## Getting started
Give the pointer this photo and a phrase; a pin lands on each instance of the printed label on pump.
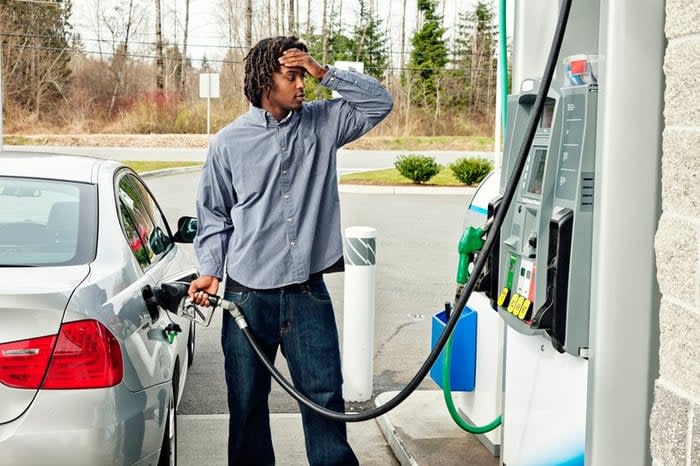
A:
(511, 271)
(525, 278)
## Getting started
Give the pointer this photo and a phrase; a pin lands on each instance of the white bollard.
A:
(358, 312)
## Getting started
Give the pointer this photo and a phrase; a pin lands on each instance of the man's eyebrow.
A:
(294, 72)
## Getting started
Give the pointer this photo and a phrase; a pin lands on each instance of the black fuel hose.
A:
(478, 267)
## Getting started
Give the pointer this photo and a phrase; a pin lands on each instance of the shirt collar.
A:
(264, 118)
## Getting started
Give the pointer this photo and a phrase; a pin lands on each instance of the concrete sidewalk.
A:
(202, 441)
(417, 432)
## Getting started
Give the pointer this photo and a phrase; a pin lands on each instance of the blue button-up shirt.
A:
(268, 202)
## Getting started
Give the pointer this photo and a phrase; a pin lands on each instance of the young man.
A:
(268, 209)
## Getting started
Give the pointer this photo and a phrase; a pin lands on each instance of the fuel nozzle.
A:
(470, 243)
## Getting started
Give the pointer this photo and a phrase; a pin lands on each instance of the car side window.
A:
(148, 234)
(134, 234)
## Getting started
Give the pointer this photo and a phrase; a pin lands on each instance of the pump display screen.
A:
(547, 114)
(539, 157)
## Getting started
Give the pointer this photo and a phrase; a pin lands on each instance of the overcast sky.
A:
(206, 35)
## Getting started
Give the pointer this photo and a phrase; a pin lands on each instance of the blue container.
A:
(463, 359)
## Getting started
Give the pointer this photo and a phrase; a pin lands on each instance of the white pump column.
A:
(625, 296)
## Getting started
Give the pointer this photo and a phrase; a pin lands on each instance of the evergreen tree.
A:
(36, 52)
(369, 40)
(429, 54)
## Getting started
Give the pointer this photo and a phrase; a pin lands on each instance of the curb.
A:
(344, 188)
(392, 436)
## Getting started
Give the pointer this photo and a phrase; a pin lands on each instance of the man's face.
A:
(287, 91)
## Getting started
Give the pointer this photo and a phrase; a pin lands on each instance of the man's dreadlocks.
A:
(262, 61)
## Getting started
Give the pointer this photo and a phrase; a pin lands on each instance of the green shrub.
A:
(471, 171)
(417, 168)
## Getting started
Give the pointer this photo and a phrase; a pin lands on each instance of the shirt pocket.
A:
(313, 160)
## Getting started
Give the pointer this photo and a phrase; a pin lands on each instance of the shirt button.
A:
(284, 172)
(284, 148)
(286, 196)
(291, 243)
(289, 219)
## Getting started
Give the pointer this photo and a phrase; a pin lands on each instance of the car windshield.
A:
(46, 222)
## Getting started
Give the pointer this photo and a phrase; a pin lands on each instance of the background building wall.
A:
(675, 418)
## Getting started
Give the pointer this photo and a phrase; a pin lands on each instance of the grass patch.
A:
(147, 166)
(391, 177)
(15, 140)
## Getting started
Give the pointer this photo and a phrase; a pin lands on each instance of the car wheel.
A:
(168, 450)
(190, 344)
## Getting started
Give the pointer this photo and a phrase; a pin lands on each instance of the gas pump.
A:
(543, 274)
(550, 222)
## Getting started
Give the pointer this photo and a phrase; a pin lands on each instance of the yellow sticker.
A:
(521, 300)
(523, 309)
(503, 296)
(514, 303)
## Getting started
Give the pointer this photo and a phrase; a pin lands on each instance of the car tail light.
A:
(23, 363)
(86, 355)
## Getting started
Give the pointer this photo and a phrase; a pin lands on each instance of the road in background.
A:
(348, 160)
(417, 239)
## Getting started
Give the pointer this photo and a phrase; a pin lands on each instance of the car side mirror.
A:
(158, 241)
(186, 229)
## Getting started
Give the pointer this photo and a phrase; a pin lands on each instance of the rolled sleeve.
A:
(364, 105)
(214, 226)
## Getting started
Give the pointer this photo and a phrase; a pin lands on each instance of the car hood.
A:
(32, 304)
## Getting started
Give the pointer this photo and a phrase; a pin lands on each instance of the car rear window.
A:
(46, 222)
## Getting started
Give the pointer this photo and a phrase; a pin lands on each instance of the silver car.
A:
(91, 368)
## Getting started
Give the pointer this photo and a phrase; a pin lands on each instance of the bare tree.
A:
(290, 18)
(249, 24)
(120, 57)
(269, 17)
(160, 67)
(324, 33)
(280, 20)
(229, 20)
(403, 34)
(308, 17)
(183, 74)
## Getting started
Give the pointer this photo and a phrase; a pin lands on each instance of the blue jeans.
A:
(302, 323)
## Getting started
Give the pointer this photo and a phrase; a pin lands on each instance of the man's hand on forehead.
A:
(296, 58)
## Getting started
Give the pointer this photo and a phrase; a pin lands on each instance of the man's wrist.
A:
(322, 70)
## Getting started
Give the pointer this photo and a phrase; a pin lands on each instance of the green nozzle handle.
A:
(470, 242)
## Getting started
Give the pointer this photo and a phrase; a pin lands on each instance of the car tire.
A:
(168, 450)
(191, 344)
